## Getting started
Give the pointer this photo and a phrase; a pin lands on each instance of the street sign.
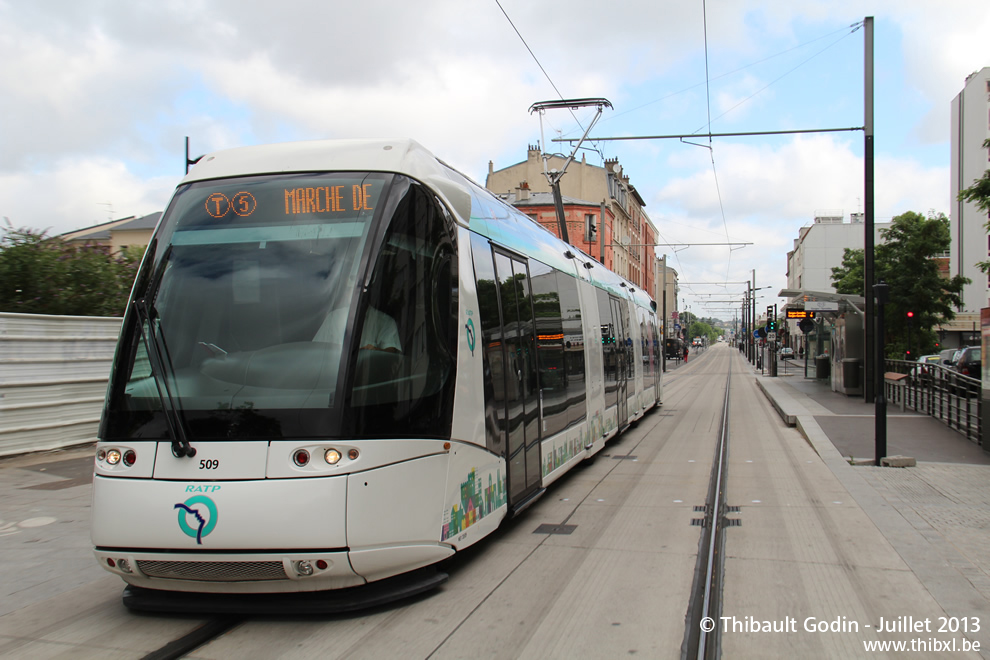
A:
(772, 336)
(821, 306)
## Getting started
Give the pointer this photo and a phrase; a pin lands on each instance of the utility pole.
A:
(663, 348)
(746, 329)
(869, 343)
(752, 318)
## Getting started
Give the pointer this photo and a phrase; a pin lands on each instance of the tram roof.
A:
(474, 205)
(374, 155)
(398, 155)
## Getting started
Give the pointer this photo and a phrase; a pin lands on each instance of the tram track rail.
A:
(210, 630)
(702, 640)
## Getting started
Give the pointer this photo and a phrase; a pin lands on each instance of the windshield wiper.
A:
(180, 441)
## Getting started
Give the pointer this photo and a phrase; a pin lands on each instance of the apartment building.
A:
(970, 159)
(626, 237)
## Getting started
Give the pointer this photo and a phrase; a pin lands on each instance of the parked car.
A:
(786, 353)
(968, 362)
(920, 370)
(946, 356)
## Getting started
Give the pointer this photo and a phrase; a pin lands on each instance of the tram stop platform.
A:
(936, 515)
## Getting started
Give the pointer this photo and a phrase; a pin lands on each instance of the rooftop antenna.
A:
(192, 161)
(553, 176)
(109, 206)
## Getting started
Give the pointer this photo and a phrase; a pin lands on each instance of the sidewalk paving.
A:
(936, 515)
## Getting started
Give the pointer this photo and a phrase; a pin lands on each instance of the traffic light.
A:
(910, 315)
(590, 230)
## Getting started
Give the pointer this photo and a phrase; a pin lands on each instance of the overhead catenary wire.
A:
(537, 60)
(711, 149)
(616, 115)
(532, 54)
(597, 143)
(854, 26)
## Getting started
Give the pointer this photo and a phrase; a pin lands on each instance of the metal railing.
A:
(937, 391)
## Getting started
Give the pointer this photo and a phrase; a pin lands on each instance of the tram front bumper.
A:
(269, 535)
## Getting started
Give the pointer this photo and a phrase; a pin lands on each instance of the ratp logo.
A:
(203, 525)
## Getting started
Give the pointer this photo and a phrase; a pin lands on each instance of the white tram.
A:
(344, 361)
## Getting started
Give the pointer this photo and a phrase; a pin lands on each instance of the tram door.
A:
(522, 388)
(622, 357)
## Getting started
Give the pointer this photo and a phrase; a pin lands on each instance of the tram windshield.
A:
(314, 305)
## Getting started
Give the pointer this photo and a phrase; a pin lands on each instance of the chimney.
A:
(522, 192)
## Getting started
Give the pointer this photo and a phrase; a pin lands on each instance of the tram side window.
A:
(646, 344)
(629, 350)
(491, 343)
(609, 350)
(409, 391)
(570, 309)
(550, 346)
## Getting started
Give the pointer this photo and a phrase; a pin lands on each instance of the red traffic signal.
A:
(910, 315)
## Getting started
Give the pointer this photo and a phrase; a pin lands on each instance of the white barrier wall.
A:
(53, 377)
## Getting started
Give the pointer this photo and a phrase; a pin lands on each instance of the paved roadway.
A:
(817, 538)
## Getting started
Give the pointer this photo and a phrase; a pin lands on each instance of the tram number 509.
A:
(209, 464)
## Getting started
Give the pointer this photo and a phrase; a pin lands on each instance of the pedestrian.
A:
(685, 354)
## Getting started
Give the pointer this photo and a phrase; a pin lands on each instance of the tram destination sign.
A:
(800, 314)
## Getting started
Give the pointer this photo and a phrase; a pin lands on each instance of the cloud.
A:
(96, 99)
(78, 192)
(794, 180)
(769, 192)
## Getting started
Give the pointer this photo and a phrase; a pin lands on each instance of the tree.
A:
(848, 278)
(979, 193)
(43, 275)
(702, 329)
(905, 261)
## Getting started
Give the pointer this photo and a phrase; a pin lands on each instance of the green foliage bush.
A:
(45, 275)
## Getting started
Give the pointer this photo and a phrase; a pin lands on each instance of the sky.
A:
(97, 97)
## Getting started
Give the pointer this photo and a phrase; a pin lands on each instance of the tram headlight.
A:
(101, 455)
(303, 567)
(113, 456)
(332, 456)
